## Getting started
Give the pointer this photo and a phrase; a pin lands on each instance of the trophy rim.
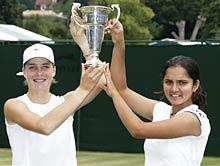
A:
(94, 7)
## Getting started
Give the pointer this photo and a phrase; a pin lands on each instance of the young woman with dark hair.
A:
(178, 132)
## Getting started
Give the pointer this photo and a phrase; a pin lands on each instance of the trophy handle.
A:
(74, 7)
(118, 15)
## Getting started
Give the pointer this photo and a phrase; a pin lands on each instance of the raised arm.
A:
(17, 112)
(169, 128)
(138, 103)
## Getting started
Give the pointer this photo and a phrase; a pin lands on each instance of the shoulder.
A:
(196, 111)
(12, 107)
(19, 99)
(200, 115)
(12, 103)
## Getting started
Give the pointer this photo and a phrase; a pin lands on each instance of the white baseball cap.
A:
(38, 50)
(35, 51)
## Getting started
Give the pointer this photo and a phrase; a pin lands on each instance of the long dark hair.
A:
(191, 66)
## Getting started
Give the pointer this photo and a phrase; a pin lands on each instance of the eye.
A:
(182, 82)
(168, 82)
(31, 67)
(46, 66)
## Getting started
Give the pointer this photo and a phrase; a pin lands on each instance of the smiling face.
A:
(179, 87)
(39, 73)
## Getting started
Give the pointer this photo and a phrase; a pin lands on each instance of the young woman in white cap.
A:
(39, 123)
(179, 131)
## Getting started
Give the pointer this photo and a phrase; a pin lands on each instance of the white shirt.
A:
(182, 151)
(33, 149)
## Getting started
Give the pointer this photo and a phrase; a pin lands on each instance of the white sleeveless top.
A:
(33, 149)
(182, 151)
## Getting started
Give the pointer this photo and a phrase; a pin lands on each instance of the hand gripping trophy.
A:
(93, 24)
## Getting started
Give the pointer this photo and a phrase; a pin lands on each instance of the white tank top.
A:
(33, 149)
(182, 151)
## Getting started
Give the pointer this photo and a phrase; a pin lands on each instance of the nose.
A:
(39, 71)
(174, 87)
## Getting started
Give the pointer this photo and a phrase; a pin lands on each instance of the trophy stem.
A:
(93, 60)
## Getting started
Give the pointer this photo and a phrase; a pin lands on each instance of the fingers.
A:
(112, 23)
(106, 86)
(75, 7)
(75, 16)
(109, 87)
(83, 68)
(75, 29)
(99, 71)
(94, 72)
(107, 74)
(91, 76)
(114, 28)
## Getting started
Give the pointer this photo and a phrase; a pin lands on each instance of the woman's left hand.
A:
(109, 87)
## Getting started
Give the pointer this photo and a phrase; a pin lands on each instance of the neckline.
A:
(28, 98)
(182, 110)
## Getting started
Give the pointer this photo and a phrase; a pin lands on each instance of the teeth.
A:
(175, 95)
(39, 80)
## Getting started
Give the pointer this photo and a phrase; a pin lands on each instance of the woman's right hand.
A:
(77, 31)
(91, 76)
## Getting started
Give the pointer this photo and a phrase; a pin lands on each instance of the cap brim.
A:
(20, 73)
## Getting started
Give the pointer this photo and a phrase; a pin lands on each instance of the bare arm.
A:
(184, 124)
(138, 103)
(92, 95)
(17, 112)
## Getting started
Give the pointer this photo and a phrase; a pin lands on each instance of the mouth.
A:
(174, 95)
(39, 80)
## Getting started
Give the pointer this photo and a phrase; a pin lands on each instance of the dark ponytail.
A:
(199, 98)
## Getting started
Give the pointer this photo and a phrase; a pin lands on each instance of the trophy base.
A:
(94, 61)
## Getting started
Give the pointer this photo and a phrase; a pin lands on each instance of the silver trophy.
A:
(95, 20)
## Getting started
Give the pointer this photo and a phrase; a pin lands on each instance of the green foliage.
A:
(59, 31)
(52, 28)
(212, 25)
(29, 4)
(64, 7)
(11, 12)
(142, 19)
(134, 17)
(171, 11)
(154, 28)
(168, 12)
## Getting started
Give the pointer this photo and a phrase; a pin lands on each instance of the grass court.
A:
(86, 158)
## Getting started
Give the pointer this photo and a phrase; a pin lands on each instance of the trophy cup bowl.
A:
(94, 20)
